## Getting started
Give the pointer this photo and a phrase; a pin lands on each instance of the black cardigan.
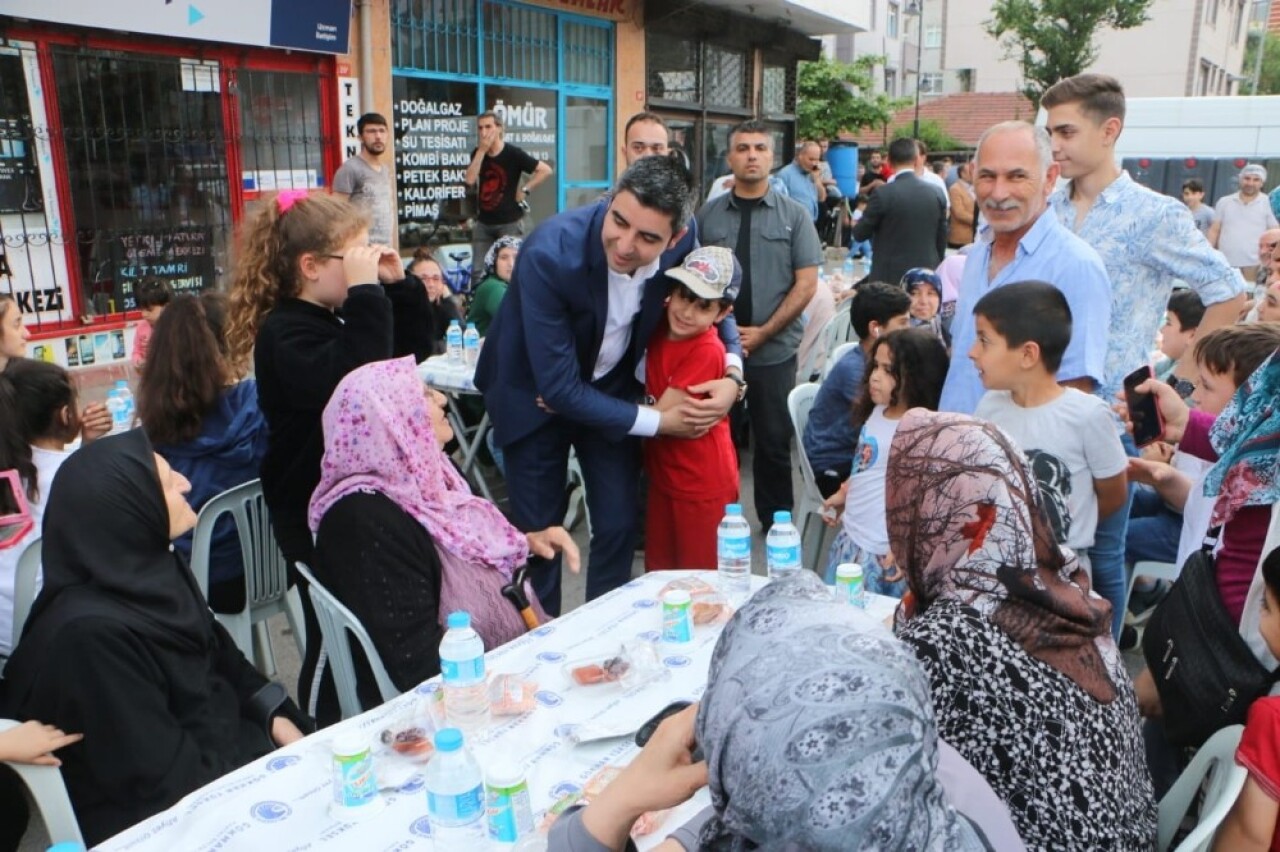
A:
(302, 352)
(382, 564)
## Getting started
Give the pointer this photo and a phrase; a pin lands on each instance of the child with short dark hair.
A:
(1181, 321)
(1252, 824)
(906, 370)
(831, 435)
(151, 295)
(690, 480)
(1193, 197)
(1069, 437)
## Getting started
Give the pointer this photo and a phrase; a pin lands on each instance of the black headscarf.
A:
(106, 546)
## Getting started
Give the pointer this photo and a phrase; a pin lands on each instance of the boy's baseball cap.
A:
(710, 272)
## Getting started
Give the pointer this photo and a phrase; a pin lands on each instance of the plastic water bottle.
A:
(453, 342)
(733, 552)
(455, 794)
(782, 546)
(131, 407)
(847, 268)
(471, 345)
(118, 407)
(466, 696)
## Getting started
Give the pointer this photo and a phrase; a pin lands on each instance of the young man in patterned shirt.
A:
(1146, 240)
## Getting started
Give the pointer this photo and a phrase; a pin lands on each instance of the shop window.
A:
(588, 54)
(726, 75)
(586, 134)
(673, 69)
(777, 91)
(436, 35)
(32, 256)
(281, 145)
(519, 43)
(147, 169)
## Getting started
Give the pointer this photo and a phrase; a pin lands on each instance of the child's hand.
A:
(95, 421)
(1157, 452)
(360, 264)
(833, 505)
(33, 742)
(889, 565)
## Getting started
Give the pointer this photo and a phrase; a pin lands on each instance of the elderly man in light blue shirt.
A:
(1023, 241)
(803, 178)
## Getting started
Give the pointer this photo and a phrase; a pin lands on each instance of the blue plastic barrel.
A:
(842, 156)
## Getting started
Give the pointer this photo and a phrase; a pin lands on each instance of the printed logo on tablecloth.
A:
(427, 688)
(564, 788)
(564, 731)
(551, 656)
(275, 764)
(645, 603)
(270, 811)
(413, 785)
(677, 661)
(544, 630)
(631, 584)
(421, 827)
(547, 698)
(650, 636)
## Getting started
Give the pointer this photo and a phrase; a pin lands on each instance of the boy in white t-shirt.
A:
(1069, 437)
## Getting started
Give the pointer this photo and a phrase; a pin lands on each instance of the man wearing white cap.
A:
(1242, 217)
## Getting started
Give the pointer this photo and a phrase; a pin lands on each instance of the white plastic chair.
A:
(267, 589)
(24, 586)
(336, 621)
(841, 325)
(50, 795)
(578, 508)
(821, 347)
(1215, 764)
(809, 507)
(836, 354)
(1155, 570)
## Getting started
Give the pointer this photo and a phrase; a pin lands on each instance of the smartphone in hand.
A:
(1144, 413)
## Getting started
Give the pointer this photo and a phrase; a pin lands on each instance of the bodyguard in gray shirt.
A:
(777, 245)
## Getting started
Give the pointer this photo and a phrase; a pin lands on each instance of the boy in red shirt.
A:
(690, 480)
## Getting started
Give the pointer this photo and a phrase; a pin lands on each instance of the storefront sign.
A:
(435, 132)
(616, 10)
(349, 115)
(182, 257)
(323, 26)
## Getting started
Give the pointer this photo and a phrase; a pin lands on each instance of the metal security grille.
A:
(726, 76)
(778, 90)
(520, 43)
(436, 35)
(146, 161)
(281, 144)
(673, 69)
(588, 54)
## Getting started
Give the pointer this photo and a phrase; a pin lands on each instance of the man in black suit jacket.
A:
(906, 220)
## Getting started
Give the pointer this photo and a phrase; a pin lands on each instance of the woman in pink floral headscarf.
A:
(400, 538)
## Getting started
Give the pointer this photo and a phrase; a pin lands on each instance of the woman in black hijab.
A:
(121, 646)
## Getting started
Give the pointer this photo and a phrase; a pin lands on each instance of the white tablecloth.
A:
(280, 802)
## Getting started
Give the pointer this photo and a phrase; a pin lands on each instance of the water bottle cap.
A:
(782, 517)
(67, 846)
(122, 383)
(455, 322)
(459, 620)
(676, 597)
(733, 509)
(849, 569)
(448, 739)
(503, 773)
(471, 325)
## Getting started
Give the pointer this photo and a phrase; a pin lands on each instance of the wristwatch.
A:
(740, 382)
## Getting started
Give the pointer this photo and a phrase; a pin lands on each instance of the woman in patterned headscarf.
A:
(818, 735)
(499, 263)
(1026, 681)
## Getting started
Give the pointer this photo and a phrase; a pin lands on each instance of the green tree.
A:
(932, 134)
(1269, 79)
(1053, 39)
(832, 96)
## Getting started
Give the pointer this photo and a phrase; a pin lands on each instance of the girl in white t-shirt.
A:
(38, 418)
(906, 370)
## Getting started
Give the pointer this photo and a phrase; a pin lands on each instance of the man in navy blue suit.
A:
(559, 365)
